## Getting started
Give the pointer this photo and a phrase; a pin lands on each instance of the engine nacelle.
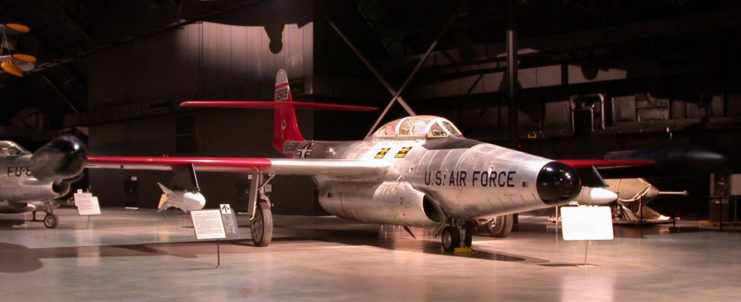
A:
(60, 159)
(389, 202)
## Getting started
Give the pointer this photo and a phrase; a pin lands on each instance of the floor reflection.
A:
(17, 259)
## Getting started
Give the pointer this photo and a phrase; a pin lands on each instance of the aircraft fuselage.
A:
(463, 178)
(18, 186)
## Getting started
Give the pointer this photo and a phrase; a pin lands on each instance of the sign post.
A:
(207, 224)
(586, 223)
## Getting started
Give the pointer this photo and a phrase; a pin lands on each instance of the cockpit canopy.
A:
(8, 148)
(421, 126)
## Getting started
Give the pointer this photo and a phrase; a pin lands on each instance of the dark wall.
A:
(146, 137)
(234, 55)
(210, 59)
(220, 133)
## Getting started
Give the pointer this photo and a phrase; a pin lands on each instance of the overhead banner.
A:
(587, 223)
(86, 204)
(207, 224)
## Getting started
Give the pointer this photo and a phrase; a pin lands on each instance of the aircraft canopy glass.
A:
(421, 126)
(8, 148)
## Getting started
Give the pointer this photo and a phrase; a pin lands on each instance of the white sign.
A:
(207, 224)
(586, 223)
(225, 209)
(86, 204)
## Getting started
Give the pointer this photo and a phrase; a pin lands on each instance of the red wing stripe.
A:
(236, 162)
(584, 163)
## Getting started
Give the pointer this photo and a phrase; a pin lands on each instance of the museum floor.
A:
(138, 255)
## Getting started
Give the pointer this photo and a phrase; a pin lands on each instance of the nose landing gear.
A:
(457, 235)
(50, 219)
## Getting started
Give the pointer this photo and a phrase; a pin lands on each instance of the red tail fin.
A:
(285, 126)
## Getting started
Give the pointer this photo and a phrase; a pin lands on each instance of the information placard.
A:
(587, 223)
(87, 204)
(230, 221)
(207, 224)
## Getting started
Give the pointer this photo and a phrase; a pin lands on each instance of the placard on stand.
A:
(586, 223)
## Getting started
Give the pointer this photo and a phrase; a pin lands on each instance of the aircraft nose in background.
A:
(60, 159)
(557, 183)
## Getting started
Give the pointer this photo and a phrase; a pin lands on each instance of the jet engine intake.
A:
(61, 187)
(60, 159)
(389, 202)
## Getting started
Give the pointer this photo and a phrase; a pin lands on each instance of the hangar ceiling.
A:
(660, 45)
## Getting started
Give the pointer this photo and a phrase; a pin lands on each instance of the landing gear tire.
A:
(468, 240)
(500, 226)
(51, 221)
(261, 226)
(451, 237)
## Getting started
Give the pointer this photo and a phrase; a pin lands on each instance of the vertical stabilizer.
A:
(164, 189)
(285, 125)
(164, 198)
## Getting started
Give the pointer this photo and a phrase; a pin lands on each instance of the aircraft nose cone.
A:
(558, 183)
(62, 158)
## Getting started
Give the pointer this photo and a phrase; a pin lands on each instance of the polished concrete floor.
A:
(139, 255)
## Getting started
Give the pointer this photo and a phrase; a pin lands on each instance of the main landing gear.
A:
(261, 217)
(50, 219)
(457, 234)
(500, 226)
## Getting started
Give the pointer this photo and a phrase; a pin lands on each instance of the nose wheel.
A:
(457, 236)
(51, 221)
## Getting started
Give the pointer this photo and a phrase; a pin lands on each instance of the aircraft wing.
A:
(282, 166)
(586, 163)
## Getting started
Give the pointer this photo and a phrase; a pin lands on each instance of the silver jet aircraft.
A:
(29, 182)
(415, 171)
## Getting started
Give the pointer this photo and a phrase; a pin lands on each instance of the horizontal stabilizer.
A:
(275, 105)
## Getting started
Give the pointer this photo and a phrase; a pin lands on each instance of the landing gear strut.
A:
(261, 221)
(457, 234)
(50, 219)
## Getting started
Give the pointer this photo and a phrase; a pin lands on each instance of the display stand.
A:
(558, 223)
(586, 251)
(586, 223)
(218, 254)
(207, 224)
(87, 205)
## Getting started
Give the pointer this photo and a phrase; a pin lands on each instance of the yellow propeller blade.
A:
(18, 27)
(11, 69)
(25, 58)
